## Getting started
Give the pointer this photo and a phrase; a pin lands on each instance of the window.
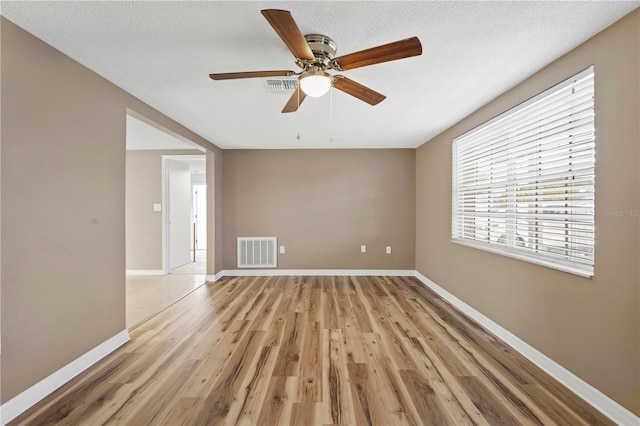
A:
(523, 183)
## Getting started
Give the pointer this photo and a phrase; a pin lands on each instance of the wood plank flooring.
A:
(312, 351)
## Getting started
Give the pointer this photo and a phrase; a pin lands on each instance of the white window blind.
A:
(523, 183)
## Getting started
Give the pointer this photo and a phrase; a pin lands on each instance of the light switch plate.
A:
(282, 250)
(157, 207)
(388, 249)
(363, 249)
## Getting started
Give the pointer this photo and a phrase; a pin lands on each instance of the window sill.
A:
(530, 259)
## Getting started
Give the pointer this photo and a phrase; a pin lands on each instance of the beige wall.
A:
(63, 214)
(143, 225)
(322, 205)
(590, 326)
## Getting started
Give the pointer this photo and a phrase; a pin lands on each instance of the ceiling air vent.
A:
(257, 252)
(280, 86)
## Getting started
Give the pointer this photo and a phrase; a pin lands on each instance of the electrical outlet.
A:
(363, 249)
(282, 250)
(388, 249)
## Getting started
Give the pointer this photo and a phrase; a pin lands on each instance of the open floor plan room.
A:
(312, 351)
(443, 230)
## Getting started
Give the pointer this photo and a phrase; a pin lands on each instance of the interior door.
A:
(179, 177)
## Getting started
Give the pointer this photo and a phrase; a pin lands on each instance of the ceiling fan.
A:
(315, 54)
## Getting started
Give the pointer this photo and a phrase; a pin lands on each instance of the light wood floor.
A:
(312, 351)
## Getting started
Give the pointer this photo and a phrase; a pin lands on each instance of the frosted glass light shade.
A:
(315, 84)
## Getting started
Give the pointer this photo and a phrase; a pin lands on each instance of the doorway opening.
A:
(198, 251)
(162, 172)
(186, 242)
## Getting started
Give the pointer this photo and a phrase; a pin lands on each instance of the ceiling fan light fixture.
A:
(315, 83)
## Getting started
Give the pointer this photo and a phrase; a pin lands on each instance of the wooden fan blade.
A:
(387, 52)
(286, 27)
(294, 101)
(358, 90)
(251, 74)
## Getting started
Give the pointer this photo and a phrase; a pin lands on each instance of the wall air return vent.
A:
(280, 86)
(257, 252)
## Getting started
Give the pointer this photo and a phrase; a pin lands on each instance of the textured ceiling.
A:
(142, 136)
(162, 52)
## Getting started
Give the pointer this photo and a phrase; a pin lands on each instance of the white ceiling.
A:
(142, 136)
(162, 52)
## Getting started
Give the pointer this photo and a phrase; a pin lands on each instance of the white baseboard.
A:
(315, 272)
(597, 399)
(27, 399)
(215, 277)
(145, 272)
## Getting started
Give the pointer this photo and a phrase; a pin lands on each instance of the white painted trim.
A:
(312, 272)
(165, 216)
(145, 272)
(216, 277)
(166, 243)
(25, 400)
(591, 395)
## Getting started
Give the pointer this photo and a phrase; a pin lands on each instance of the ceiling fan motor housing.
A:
(323, 48)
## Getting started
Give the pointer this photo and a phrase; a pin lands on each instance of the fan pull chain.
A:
(331, 114)
(298, 110)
